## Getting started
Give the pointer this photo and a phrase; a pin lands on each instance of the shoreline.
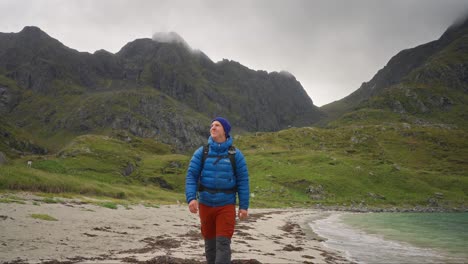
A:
(368, 242)
(412, 209)
(138, 234)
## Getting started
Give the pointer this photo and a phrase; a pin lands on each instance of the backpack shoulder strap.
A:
(206, 149)
(232, 158)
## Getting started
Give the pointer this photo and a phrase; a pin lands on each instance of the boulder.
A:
(3, 158)
(128, 169)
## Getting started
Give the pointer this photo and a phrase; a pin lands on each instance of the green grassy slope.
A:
(377, 165)
(94, 165)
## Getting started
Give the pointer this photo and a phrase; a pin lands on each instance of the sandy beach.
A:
(86, 233)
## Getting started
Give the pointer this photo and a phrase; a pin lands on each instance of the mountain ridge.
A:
(57, 82)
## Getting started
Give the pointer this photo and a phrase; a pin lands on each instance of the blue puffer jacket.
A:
(218, 175)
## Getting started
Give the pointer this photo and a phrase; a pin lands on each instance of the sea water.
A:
(397, 237)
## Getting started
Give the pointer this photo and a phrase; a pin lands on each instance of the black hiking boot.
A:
(223, 250)
(210, 250)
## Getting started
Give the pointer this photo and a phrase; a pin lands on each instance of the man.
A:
(217, 180)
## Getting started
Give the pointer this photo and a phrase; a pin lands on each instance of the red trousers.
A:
(217, 221)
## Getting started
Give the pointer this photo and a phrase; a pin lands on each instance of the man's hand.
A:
(193, 206)
(243, 214)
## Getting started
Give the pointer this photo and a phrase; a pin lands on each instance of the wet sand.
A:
(86, 233)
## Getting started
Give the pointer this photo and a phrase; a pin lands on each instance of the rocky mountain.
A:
(428, 82)
(150, 88)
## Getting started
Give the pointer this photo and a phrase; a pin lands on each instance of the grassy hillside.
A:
(95, 165)
(396, 164)
(375, 165)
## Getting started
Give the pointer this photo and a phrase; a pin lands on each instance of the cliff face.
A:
(150, 88)
(253, 100)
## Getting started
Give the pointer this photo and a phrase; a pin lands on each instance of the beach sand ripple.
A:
(86, 233)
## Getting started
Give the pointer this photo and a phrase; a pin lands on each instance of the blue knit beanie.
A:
(225, 123)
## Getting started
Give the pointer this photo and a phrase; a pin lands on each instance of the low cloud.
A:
(169, 37)
(287, 74)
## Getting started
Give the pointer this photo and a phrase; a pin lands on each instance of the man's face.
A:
(217, 132)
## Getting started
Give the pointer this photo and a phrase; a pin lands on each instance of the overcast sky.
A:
(330, 46)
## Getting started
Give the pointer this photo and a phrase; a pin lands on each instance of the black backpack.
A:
(232, 158)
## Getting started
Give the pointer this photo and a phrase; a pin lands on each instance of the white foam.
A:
(362, 247)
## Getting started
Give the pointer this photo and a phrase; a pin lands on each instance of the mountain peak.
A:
(33, 37)
(33, 31)
(460, 22)
(457, 29)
